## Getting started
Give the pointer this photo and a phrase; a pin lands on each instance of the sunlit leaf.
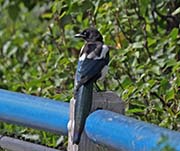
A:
(47, 15)
(177, 11)
(137, 45)
(169, 94)
(174, 33)
(151, 41)
(137, 110)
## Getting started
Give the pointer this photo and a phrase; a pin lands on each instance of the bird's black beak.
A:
(79, 35)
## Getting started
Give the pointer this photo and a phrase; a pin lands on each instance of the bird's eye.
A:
(86, 33)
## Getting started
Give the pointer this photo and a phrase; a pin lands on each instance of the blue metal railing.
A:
(118, 131)
(35, 112)
(104, 127)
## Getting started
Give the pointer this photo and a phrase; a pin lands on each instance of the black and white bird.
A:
(92, 65)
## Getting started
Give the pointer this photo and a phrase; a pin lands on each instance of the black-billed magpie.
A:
(92, 65)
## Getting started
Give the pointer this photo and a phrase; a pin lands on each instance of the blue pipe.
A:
(121, 132)
(35, 112)
(104, 127)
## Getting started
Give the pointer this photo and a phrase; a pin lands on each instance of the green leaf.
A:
(148, 28)
(13, 11)
(137, 54)
(171, 62)
(128, 92)
(57, 7)
(174, 33)
(164, 85)
(176, 67)
(151, 41)
(177, 11)
(126, 82)
(144, 5)
(65, 19)
(137, 110)
(155, 69)
(137, 45)
(47, 15)
(170, 94)
(178, 82)
(62, 15)
(151, 82)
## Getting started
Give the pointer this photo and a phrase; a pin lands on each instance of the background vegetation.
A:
(38, 54)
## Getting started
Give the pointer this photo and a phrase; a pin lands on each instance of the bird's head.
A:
(90, 35)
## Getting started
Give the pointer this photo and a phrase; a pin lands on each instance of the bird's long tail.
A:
(83, 102)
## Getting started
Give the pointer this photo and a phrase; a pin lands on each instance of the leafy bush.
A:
(38, 51)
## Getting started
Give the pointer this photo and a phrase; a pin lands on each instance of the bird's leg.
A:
(97, 87)
(105, 85)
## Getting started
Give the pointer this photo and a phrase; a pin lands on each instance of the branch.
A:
(128, 72)
(144, 29)
(119, 25)
(54, 40)
(160, 98)
(153, 5)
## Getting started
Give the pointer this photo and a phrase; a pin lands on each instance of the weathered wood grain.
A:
(101, 100)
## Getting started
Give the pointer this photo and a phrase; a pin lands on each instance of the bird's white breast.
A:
(83, 57)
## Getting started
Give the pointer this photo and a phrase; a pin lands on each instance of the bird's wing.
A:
(89, 68)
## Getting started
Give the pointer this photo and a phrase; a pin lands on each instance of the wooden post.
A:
(101, 100)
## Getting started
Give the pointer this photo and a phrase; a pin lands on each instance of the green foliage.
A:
(38, 52)
(163, 145)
